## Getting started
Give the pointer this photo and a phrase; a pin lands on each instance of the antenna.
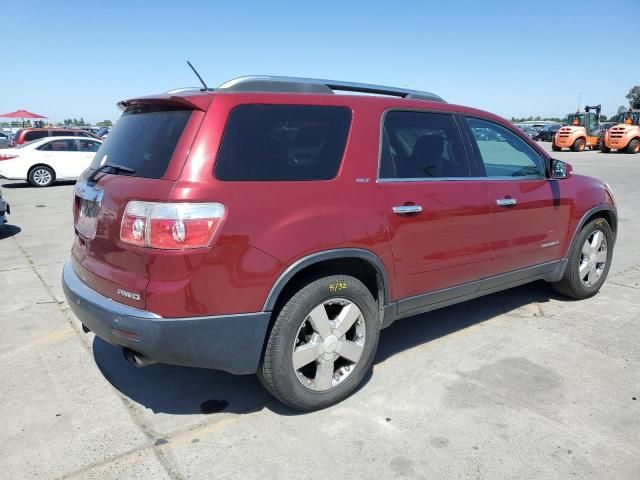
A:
(199, 77)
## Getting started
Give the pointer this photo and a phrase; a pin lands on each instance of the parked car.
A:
(103, 132)
(4, 210)
(29, 134)
(4, 140)
(42, 162)
(548, 132)
(530, 132)
(387, 206)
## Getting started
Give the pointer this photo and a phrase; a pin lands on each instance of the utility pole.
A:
(579, 101)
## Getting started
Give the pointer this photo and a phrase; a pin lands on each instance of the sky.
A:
(513, 58)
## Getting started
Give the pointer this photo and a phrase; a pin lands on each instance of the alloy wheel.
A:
(593, 258)
(42, 176)
(329, 344)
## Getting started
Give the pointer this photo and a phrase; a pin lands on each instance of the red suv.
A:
(272, 226)
(30, 134)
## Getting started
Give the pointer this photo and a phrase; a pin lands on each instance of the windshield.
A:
(143, 140)
(634, 116)
(573, 118)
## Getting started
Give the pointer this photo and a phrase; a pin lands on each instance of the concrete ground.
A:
(521, 384)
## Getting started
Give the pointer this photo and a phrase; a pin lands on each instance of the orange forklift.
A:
(580, 130)
(625, 136)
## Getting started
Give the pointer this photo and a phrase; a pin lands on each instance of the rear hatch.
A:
(151, 142)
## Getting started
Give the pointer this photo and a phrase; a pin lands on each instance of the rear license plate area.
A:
(89, 202)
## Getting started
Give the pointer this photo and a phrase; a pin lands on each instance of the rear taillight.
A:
(7, 156)
(170, 225)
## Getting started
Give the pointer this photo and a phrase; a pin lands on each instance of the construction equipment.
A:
(580, 131)
(625, 136)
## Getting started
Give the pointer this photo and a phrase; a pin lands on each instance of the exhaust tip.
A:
(136, 359)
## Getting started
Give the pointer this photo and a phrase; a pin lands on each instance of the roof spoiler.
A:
(170, 101)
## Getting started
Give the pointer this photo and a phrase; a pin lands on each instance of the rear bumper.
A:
(232, 343)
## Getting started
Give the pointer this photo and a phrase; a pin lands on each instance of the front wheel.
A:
(554, 147)
(634, 146)
(604, 148)
(578, 145)
(322, 343)
(588, 261)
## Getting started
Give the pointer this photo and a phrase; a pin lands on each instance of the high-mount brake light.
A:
(172, 226)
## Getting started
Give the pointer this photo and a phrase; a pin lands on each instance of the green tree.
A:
(105, 123)
(634, 97)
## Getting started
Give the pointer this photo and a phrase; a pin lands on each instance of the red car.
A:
(29, 134)
(272, 226)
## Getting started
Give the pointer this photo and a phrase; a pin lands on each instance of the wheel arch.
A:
(343, 260)
(606, 212)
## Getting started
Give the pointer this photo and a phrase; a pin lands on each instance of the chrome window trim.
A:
(458, 179)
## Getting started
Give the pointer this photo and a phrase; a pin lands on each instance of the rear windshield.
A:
(143, 140)
(283, 142)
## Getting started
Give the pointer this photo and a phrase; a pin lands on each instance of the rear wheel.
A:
(41, 176)
(322, 343)
(588, 261)
(578, 145)
(634, 146)
(554, 147)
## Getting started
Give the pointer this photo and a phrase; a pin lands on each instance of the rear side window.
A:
(422, 145)
(143, 140)
(29, 136)
(282, 142)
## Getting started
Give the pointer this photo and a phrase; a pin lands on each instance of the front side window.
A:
(89, 146)
(62, 133)
(422, 145)
(283, 142)
(503, 153)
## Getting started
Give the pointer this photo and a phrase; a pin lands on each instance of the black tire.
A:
(634, 146)
(571, 284)
(554, 147)
(578, 145)
(41, 176)
(277, 373)
(604, 148)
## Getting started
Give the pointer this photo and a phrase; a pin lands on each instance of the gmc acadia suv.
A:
(272, 226)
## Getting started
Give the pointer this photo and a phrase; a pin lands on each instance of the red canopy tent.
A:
(21, 114)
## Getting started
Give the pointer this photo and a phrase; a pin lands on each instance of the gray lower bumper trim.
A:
(232, 343)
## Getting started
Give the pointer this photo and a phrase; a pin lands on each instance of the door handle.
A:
(407, 209)
(507, 202)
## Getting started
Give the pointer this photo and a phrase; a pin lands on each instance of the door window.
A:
(35, 135)
(89, 146)
(422, 145)
(503, 153)
(60, 146)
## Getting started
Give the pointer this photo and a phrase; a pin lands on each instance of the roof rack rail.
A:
(268, 83)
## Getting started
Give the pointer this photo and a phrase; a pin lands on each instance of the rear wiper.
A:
(116, 169)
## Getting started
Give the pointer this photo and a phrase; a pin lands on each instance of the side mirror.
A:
(560, 169)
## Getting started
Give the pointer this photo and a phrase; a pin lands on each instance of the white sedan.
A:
(44, 161)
